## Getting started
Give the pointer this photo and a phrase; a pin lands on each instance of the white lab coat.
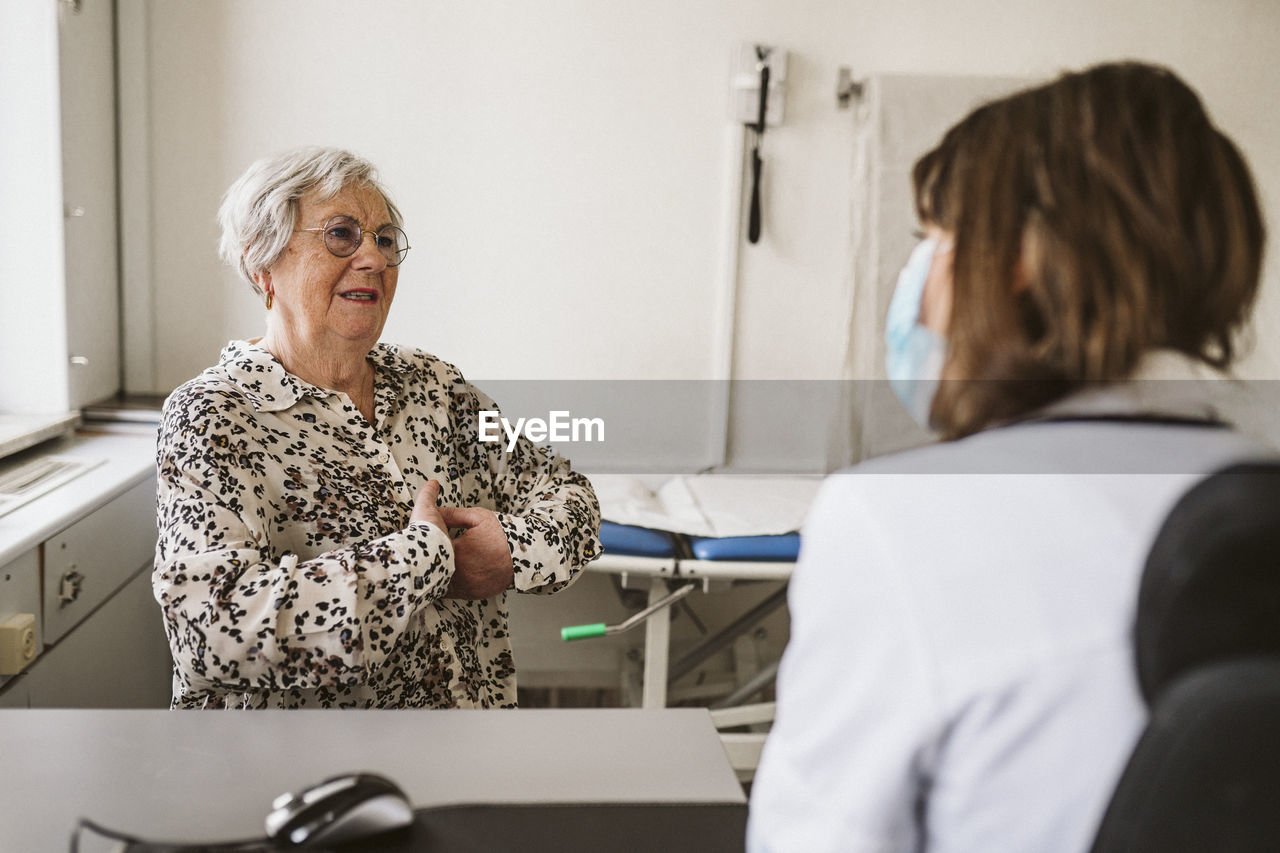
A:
(960, 672)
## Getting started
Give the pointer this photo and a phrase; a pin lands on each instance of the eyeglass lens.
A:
(342, 237)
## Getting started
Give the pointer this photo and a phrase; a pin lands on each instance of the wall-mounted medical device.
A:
(758, 96)
(749, 61)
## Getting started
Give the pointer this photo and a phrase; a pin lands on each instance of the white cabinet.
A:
(86, 563)
(102, 642)
(117, 658)
(60, 329)
(87, 83)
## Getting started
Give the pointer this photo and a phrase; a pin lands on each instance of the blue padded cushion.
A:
(636, 541)
(784, 548)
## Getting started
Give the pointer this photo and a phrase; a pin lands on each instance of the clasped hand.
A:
(481, 556)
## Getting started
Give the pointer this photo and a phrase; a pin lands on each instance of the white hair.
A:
(260, 210)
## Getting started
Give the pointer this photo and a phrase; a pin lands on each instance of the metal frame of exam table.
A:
(743, 748)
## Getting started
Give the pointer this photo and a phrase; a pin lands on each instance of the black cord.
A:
(139, 845)
(753, 218)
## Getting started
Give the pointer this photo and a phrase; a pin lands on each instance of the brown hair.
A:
(1096, 217)
(932, 174)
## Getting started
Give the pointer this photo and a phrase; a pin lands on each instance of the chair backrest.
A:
(1205, 774)
(1211, 586)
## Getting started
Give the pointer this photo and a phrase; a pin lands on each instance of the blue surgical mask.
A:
(914, 355)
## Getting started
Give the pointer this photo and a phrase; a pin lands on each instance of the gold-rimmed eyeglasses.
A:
(343, 235)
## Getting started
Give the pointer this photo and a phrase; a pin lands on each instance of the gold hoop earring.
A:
(270, 298)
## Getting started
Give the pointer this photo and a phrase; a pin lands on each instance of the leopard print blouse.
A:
(287, 569)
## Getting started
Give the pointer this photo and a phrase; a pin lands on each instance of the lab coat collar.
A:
(270, 388)
(1166, 385)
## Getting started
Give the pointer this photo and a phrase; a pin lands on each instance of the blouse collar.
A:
(270, 388)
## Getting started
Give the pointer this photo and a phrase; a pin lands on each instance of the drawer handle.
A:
(69, 588)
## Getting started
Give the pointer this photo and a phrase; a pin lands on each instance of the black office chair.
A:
(1205, 775)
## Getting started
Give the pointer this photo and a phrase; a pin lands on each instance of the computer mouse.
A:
(340, 809)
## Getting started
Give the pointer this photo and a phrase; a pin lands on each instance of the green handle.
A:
(582, 632)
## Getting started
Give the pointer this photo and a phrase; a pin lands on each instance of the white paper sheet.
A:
(710, 504)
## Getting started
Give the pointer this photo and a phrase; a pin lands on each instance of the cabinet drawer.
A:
(93, 558)
(119, 658)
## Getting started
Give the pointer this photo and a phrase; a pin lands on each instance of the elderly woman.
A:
(303, 560)
(960, 674)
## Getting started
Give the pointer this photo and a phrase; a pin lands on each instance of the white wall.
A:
(561, 163)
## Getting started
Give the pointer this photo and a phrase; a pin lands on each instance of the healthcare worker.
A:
(960, 674)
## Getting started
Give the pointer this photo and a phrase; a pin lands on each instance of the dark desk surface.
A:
(204, 776)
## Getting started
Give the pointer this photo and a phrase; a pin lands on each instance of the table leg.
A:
(657, 636)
